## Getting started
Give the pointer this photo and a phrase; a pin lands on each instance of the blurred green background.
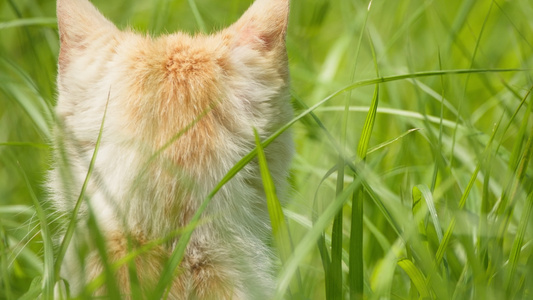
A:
(463, 141)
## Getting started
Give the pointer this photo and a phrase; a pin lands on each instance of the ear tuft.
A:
(264, 25)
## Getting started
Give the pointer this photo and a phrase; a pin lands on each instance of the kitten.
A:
(179, 113)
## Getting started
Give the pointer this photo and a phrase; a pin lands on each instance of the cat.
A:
(177, 112)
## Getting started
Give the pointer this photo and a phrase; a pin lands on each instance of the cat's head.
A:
(204, 92)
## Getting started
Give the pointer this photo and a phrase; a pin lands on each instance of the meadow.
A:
(414, 134)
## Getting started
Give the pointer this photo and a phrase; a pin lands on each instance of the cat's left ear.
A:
(80, 25)
(264, 25)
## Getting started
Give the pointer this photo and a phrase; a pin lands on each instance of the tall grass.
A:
(412, 176)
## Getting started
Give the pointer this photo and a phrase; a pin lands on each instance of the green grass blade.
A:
(280, 231)
(111, 284)
(356, 265)
(74, 215)
(423, 192)
(418, 212)
(49, 276)
(389, 142)
(4, 265)
(364, 141)
(35, 290)
(417, 277)
(308, 241)
(472, 61)
(22, 144)
(514, 186)
(428, 197)
(518, 243)
(28, 97)
(197, 16)
(516, 155)
(462, 202)
(334, 272)
(370, 120)
(321, 242)
(353, 168)
(160, 15)
(397, 112)
(49, 22)
(438, 157)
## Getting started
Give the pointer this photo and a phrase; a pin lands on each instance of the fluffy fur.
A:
(180, 113)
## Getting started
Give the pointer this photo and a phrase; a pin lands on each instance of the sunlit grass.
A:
(413, 131)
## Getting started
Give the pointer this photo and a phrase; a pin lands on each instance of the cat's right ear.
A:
(263, 26)
(79, 22)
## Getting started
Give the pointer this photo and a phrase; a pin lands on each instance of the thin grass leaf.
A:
(308, 241)
(510, 19)
(280, 231)
(4, 268)
(447, 235)
(380, 236)
(381, 279)
(33, 110)
(418, 212)
(428, 197)
(371, 150)
(22, 144)
(417, 277)
(28, 96)
(422, 192)
(197, 15)
(438, 157)
(321, 240)
(460, 19)
(49, 22)
(518, 164)
(34, 291)
(515, 185)
(391, 141)
(334, 278)
(384, 80)
(135, 286)
(334, 272)
(16, 210)
(354, 169)
(134, 253)
(111, 284)
(445, 103)
(49, 276)
(356, 265)
(74, 215)
(397, 112)
(459, 109)
(160, 15)
(364, 141)
(516, 155)
(518, 243)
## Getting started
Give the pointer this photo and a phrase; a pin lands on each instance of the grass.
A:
(412, 175)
